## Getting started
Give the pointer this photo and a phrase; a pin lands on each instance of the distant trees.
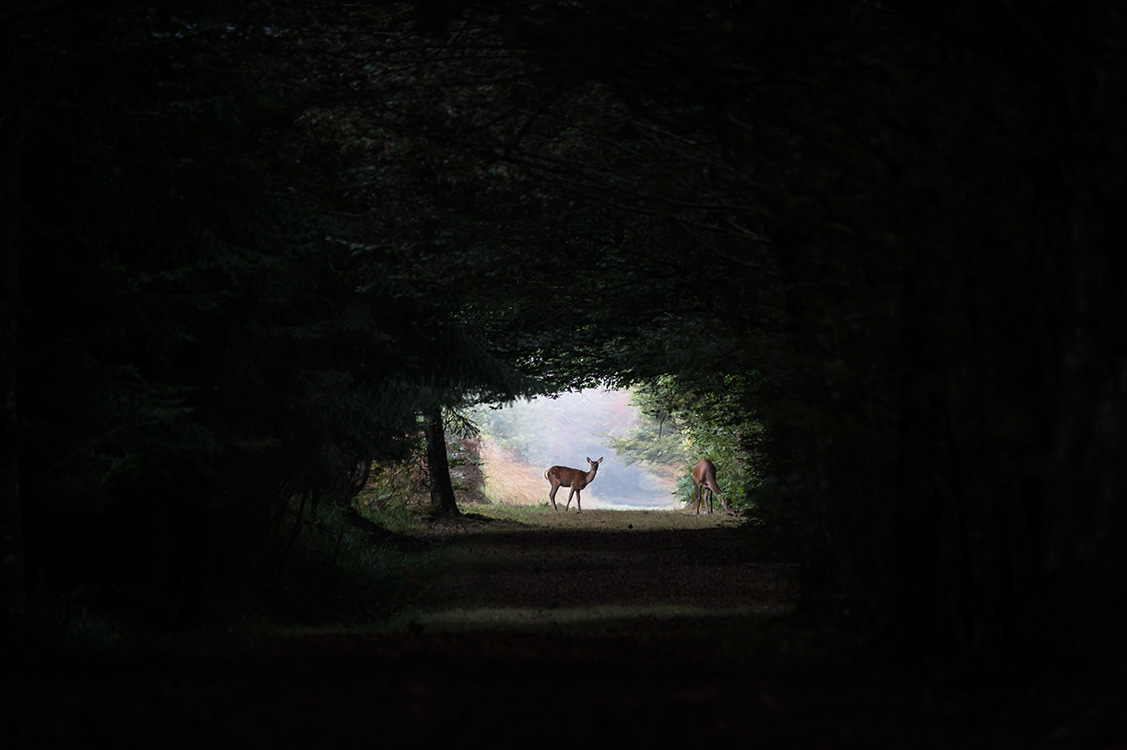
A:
(678, 427)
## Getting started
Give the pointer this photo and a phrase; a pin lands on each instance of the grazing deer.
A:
(562, 476)
(704, 474)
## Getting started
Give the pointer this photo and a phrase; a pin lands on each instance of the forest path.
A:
(610, 572)
(559, 637)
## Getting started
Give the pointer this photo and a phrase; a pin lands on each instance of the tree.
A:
(199, 343)
(438, 468)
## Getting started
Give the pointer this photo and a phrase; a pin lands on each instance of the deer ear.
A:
(598, 462)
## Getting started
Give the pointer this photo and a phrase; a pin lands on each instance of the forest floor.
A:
(610, 629)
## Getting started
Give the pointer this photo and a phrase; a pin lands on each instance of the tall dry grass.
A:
(509, 480)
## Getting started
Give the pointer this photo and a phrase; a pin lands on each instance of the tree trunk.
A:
(442, 500)
(13, 589)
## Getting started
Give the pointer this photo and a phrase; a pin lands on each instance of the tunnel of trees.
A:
(246, 246)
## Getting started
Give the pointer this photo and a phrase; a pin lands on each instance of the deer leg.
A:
(578, 504)
(569, 496)
(698, 499)
(552, 496)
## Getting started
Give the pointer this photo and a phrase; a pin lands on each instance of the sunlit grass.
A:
(542, 516)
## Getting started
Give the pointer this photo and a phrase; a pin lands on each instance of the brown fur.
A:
(704, 474)
(562, 476)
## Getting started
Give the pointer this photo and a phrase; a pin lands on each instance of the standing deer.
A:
(562, 476)
(704, 474)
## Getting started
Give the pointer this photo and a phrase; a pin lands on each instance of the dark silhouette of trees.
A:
(903, 220)
(198, 350)
(252, 246)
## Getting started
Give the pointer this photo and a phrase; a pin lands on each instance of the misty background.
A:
(519, 442)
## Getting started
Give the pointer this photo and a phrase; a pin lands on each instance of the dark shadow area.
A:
(867, 256)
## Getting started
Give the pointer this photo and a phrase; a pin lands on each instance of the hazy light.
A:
(528, 437)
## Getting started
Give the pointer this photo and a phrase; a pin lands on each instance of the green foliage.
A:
(394, 488)
(682, 425)
(341, 569)
(652, 440)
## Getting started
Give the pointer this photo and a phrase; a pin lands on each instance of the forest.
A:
(864, 251)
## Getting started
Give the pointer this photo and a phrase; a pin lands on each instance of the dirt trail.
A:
(547, 637)
(622, 578)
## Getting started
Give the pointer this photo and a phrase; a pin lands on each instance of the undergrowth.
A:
(346, 567)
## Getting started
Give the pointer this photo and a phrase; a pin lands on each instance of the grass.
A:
(604, 619)
(510, 480)
(542, 516)
(503, 560)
